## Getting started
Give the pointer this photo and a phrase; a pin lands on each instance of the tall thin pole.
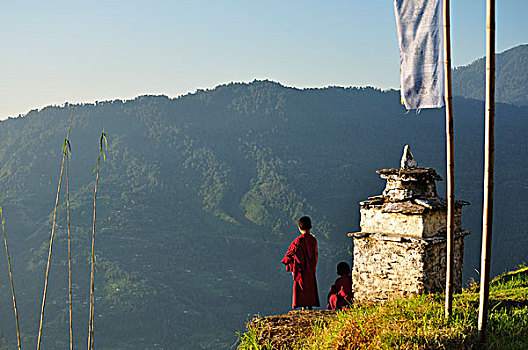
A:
(92, 263)
(450, 162)
(39, 339)
(69, 247)
(11, 279)
(489, 158)
(91, 319)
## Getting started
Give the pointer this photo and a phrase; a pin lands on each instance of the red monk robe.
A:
(340, 293)
(301, 261)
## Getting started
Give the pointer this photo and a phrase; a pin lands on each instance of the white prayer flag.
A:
(421, 39)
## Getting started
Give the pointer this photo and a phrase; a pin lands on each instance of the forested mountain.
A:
(511, 77)
(199, 196)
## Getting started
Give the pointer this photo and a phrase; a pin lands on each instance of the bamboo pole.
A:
(92, 271)
(39, 339)
(69, 247)
(450, 155)
(11, 279)
(489, 159)
(91, 319)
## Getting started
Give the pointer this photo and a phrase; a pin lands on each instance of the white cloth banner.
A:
(421, 38)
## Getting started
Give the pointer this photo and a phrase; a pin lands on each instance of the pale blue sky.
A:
(71, 51)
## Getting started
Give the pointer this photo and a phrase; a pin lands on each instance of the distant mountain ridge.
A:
(199, 196)
(511, 77)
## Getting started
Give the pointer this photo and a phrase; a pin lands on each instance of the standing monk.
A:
(301, 261)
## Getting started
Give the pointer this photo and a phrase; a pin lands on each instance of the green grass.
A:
(419, 323)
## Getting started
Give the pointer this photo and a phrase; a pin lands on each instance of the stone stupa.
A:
(401, 249)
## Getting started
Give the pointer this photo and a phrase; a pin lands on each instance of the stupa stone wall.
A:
(401, 249)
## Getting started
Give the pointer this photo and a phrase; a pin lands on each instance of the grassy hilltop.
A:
(415, 323)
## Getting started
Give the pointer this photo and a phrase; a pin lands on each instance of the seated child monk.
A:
(301, 261)
(340, 294)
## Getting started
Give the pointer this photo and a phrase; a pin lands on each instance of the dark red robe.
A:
(301, 261)
(341, 293)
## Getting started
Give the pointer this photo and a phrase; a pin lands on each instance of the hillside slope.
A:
(511, 77)
(199, 196)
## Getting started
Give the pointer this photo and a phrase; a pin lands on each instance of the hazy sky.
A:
(53, 52)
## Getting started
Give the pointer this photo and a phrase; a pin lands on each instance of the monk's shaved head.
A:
(305, 223)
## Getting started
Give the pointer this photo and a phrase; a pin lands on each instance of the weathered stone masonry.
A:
(401, 249)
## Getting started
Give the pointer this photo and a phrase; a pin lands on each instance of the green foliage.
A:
(270, 198)
(511, 77)
(417, 323)
(200, 196)
(123, 290)
(249, 341)
(66, 147)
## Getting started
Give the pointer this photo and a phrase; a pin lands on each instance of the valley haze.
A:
(199, 195)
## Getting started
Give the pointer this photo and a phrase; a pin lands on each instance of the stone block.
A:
(387, 269)
(429, 224)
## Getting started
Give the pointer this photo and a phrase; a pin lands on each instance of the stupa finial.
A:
(408, 162)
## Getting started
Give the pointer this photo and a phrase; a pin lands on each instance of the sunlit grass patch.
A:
(416, 323)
